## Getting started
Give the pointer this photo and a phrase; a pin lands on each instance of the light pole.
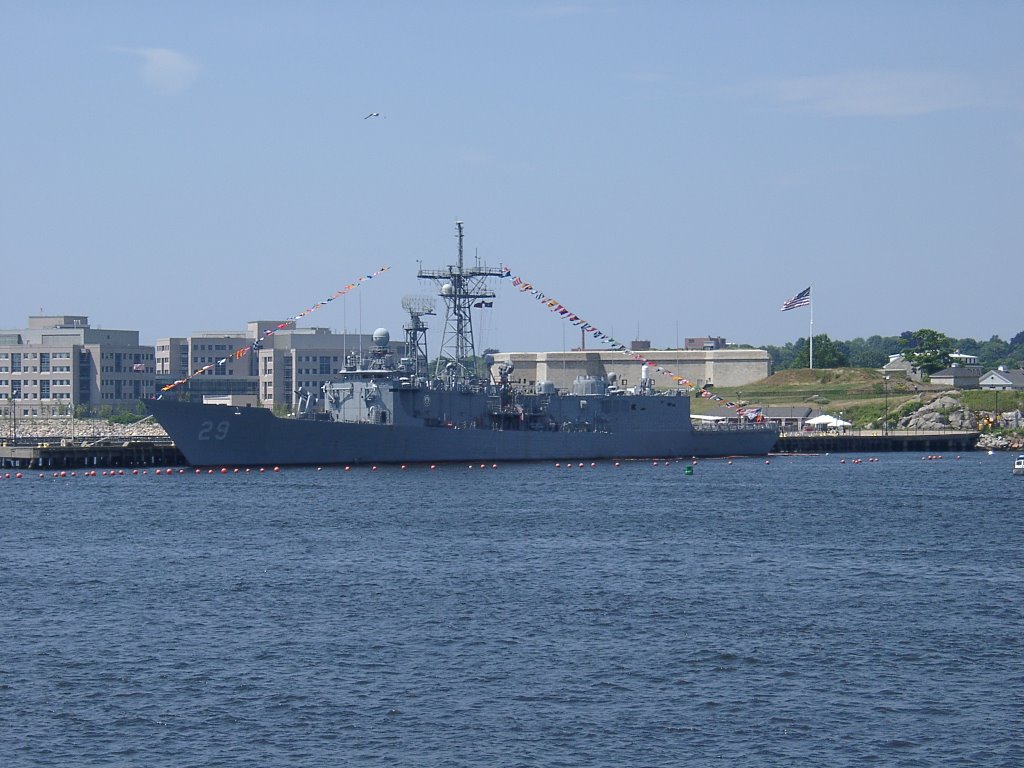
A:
(14, 418)
(885, 420)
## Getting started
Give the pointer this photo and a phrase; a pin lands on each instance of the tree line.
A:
(925, 348)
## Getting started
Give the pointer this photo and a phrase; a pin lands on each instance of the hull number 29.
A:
(208, 430)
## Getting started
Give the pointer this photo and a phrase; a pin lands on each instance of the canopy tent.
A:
(824, 420)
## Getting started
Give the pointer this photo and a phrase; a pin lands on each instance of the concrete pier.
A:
(68, 454)
(875, 441)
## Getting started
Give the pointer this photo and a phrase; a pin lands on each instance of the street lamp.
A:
(885, 421)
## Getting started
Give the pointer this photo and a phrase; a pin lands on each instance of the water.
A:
(802, 612)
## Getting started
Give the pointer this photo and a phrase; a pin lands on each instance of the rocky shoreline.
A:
(999, 443)
(946, 411)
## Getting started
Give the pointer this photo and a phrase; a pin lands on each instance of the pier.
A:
(104, 452)
(876, 441)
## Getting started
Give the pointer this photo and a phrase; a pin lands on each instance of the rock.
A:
(994, 443)
(943, 403)
(46, 429)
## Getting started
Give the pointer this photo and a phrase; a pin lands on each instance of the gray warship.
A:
(379, 409)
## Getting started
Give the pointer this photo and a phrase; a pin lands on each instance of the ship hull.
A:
(217, 435)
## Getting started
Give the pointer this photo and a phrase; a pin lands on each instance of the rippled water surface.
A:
(802, 612)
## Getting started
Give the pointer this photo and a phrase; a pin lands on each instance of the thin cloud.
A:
(163, 69)
(880, 93)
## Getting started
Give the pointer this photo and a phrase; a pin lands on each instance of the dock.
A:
(104, 452)
(876, 441)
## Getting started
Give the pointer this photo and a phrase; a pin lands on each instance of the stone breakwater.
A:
(1000, 443)
(84, 429)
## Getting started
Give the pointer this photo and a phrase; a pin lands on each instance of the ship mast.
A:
(416, 330)
(461, 288)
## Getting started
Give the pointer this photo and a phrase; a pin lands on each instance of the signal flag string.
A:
(241, 352)
(565, 313)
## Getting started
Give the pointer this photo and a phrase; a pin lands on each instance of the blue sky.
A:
(663, 169)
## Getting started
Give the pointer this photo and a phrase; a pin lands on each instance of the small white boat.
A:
(1018, 465)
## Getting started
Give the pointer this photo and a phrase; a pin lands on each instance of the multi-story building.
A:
(60, 362)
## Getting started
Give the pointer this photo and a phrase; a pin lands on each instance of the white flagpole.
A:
(811, 332)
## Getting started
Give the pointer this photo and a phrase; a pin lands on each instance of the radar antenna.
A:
(416, 330)
(461, 288)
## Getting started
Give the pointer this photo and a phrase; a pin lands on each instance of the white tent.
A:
(701, 417)
(824, 420)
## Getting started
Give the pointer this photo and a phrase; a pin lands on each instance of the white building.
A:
(1001, 378)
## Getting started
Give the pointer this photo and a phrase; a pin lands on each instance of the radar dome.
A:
(381, 337)
(447, 289)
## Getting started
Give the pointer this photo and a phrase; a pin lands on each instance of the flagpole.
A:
(811, 332)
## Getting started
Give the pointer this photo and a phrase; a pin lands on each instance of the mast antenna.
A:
(461, 289)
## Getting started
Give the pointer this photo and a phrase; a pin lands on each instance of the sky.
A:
(662, 169)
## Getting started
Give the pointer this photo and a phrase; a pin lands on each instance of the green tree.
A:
(872, 352)
(993, 352)
(827, 354)
(928, 350)
(782, 357)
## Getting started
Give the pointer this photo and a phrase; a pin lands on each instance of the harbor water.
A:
(807, 610)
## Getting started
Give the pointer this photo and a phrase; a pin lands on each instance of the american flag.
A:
(802, 299)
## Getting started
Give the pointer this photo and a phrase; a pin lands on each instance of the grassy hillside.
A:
(859, 393)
